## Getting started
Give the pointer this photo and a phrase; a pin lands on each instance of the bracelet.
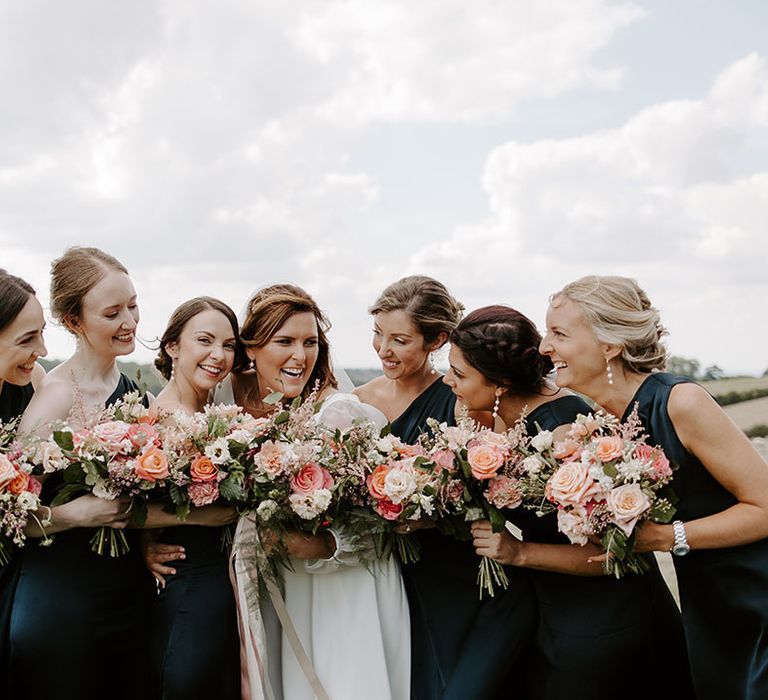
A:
(47, 519)
(336, 543)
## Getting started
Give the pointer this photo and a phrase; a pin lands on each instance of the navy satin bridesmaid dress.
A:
(723, 592)
(461, 647)
(80, 621)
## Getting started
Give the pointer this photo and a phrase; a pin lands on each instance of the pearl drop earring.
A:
(432, 369)
(609, 371)
(496, 403)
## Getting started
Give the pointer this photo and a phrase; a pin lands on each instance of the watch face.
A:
(680, 550)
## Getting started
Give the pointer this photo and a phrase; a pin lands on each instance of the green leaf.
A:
(139, 511)
(274, 398)
(182, 510)
(231, 489)
(69, 492)
(498, 521)
(281, 418)
(74, 473)
(64, 439)
(178, 495)
(386, 430)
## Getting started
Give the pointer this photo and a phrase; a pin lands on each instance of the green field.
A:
(725, 386)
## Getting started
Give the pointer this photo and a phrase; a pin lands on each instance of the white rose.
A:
(399, 485)
(542, 441)
(50, 457)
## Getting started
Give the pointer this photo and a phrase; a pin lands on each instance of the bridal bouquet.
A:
(19, 491)
(119, 453)
(603, 480)
(478, 477)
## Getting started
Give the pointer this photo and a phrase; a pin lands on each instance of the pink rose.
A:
(489, 437)
(444, 461)
(7, 471)
(627, 504)
(609, 448)
(388, 510)
(484, 461)
(657, 459)
(34, 486)
(454, 492)
(203, 469)
(311, 477)
(571, 485)
(203, 493)
(567, 450)
(376, 482)
(152, 465)
(141, 434)
(504, 492)
(114, 435)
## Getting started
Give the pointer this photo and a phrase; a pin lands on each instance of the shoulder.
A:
(369, 391)
(38, 376)
(689, 399)
(52, 401)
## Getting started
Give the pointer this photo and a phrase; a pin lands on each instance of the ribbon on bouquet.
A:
(247, 557)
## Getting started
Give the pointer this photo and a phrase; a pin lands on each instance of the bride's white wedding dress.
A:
(352, 621)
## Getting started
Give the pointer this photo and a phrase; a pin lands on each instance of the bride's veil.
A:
(342, 378)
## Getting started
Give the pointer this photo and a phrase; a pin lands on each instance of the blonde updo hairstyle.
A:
(427, 302)
(73, 275)
(269, 309)
(620, 313)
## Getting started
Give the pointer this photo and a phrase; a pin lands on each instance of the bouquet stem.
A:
(407, 549)
(109, 537)
(489, 575)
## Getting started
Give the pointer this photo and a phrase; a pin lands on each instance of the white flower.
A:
(632, 470)
(218, 451)
(532, 465)
(427, 504)
(49, 455)
(241, 435)
(456, 438)
(573, 524)
(542, 441)
(101, 490)
(266, 509)
(399, 484)
(473, 514)
(386, 444)
(309, 506)
(28, 501)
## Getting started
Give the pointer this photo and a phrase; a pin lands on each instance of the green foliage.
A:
(732, 397)
(231, 489)
(683, 367)
(760, 430)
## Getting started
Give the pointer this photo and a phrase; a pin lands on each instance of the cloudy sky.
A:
(505, 148)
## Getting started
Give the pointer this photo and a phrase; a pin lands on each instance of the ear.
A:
(612, 351)
(172, 350)
(250, 352)
(438, 342)
(71, 324)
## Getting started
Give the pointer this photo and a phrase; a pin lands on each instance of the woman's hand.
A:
(212, 516)
(413, 525)
(158, 554)
(91, 511)
(499, 546)
(299, 545)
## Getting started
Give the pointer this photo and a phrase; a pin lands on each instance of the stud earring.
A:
(251, 365)
(496, 403)
(609, 371)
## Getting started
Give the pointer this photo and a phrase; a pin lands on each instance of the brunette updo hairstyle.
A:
(503, 345)
(73, 275)
(269, 309)
(427, 302)
(14, 295)
(620, 313)
(179, 319)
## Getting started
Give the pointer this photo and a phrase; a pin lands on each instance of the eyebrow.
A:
(28, 334)
(292, 337)
(211, 334)
(117, 306)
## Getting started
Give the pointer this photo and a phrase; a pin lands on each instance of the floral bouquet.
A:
(602, 480)
(206, 454)
(19, 491)
(118, 454)
(477, 470)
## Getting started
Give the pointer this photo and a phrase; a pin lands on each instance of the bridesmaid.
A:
(21, 344)
(79, 620)
(461, 647)
(604, 338)
(589, 624)
(194, 638)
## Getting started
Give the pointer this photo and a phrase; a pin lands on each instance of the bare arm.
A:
(51, 403)
(726, 453)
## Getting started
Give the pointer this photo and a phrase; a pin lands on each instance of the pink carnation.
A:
(203, 493)
(504, 492)
(656, 457)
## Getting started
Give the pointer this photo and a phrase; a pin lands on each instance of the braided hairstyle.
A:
(620, 313)
(503, 345)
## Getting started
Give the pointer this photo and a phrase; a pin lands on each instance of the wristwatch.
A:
(681, 547)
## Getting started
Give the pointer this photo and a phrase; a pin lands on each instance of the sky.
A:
(505, 148)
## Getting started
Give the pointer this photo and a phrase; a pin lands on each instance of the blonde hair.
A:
(620, 313)
(428, 303)
(73, 275)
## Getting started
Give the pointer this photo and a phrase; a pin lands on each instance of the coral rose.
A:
(609, 448)
(376, 482)
(627, 504)
(567, 450)
(141, 434)
(484, 461)
(311, 477)
(203, 469)
(571, 485)
(18, 484)
(152, 465)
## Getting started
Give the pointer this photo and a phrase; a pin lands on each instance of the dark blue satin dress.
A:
(195, 641)
(13, 400)
(461, 647)
(80, 621)
(723, 592)
(597, 632)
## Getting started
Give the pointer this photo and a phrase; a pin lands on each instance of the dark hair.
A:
(503, 345)
(14, 294)
(428, 303)
(269, 309)
(73, 275)
(179, 319)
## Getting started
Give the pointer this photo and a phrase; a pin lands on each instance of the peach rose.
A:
(203, 469)
(7, 471)
(571, 485)
(484, 461)
(311, 477)
(19, 484)
(388, 510)
(567, 450)
(657, 459)
(609, 448)
(627, 504)
(376, 482)
(152, 465)
(114, 435)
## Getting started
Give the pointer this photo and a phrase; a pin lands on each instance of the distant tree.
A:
(713, 372)
(683, 367)
(765, 374)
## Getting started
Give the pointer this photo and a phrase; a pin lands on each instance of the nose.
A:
(299, 352)
(545, 347)
(128, 321)
(383, 349)
(217, 351)
(41, 350)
